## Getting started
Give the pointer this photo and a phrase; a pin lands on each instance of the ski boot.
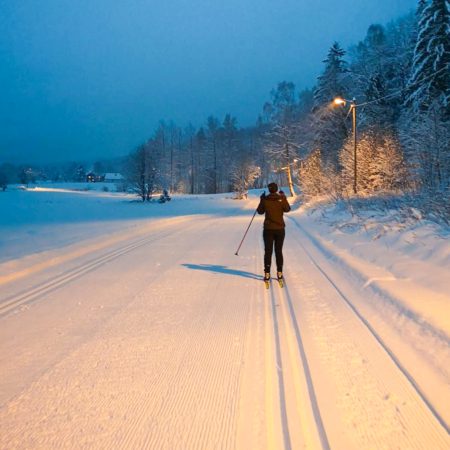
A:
(280, 279)
(267, 279)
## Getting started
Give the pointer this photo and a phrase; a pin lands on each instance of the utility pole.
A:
(353, 105)
(355, 161)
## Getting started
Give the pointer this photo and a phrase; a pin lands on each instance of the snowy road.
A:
(166, 340)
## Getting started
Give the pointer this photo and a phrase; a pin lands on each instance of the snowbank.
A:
(403, 257)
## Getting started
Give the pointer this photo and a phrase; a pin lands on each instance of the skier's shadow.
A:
(222, 269)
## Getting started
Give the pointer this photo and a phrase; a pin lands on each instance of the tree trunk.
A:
(288, 172)
(290, 182)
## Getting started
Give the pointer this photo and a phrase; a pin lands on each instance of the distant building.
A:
(113, 178)
(91, 177)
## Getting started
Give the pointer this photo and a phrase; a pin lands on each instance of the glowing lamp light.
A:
(339, 101)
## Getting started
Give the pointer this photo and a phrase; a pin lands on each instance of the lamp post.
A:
(288, 170)
(353, 105)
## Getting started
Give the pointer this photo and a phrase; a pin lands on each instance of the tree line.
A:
(399, 79)
(73, 171)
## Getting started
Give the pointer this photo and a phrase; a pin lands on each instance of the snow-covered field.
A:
(129, 325)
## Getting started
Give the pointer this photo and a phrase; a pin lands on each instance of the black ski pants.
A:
(273, 238)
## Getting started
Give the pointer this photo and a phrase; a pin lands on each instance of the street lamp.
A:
(353, 105)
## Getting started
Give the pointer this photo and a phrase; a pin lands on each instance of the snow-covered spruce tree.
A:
(400, 41)
(430, 78)
(390, 173)
(426, 139)
(426, 121)
(373, 72)
(380, 165)
(330, 127)
(281, 141)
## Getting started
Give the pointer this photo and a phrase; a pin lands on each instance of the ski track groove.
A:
(270, 378)
(32, 294)
(277, 297)
(269, 366)
(387, 351)
(295, 360)
(48, 370)
(139, 407)
(378, 338)
(285, 295)
(279, 366)
(421, 322)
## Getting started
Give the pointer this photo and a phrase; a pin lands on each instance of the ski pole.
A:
(246, 231)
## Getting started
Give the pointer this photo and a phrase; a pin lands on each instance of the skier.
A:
(273, 206)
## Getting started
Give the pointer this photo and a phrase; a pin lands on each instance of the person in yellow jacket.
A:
(273, 206)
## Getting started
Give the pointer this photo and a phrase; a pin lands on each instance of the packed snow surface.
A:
(131, 325)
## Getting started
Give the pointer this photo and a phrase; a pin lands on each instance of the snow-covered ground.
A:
(129, 325)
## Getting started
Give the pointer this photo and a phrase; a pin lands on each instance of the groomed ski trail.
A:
(180, 346)
(160, 368)
(366, 398)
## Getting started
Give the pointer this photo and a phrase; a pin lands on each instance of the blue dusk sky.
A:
(89, 79)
